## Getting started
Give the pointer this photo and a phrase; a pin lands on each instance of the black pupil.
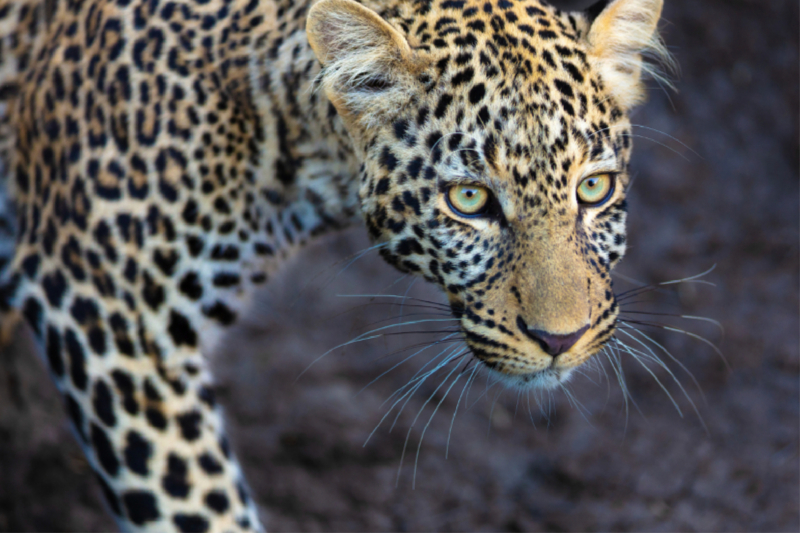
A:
(469, 193)
(592, 183)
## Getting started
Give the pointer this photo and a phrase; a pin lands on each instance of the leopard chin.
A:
(548, 379)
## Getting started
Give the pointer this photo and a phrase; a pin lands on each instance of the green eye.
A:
(468, 200)
(595, 190)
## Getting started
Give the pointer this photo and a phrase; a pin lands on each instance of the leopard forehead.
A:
(506, 93)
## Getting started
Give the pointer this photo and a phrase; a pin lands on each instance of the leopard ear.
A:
(621, 37)
(365, 59)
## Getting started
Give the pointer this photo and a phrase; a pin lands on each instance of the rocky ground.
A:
(717, 184)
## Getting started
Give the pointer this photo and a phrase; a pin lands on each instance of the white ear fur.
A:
(363, 55)
(620, 37)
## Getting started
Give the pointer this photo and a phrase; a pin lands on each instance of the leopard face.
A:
(495, 144)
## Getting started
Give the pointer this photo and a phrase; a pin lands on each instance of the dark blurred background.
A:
(717, 184)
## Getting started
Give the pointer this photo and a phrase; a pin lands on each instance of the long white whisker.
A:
(405, 360)
(491, 411)
(686, 317)
(530, 411)
(357, 255)
(419, 375)
(666, 146)
(444, 363)
(692, 278)
(422, 436)
(411, 427)
(395, 296)
(703, 340)
(616, 363)
(421, 313)
(405, 295)
(486, 390)
(672, 375)
(407, 395)
(623, 387)
(362, 254)
(638, 359)
(669, 136)
(362, 338)
(577, 404)
(453, 421)
(668, 353)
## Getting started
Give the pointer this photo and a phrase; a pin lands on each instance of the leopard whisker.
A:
(426, 346)
(405, 295)
(638, 358)
(422, 436)
(638, 291)
(585, 368)
(651, 287)
(430, 302)
(419, 381)
(358, 255)
(486, 390)
(551, 408)
(396, 317)
(575, 402)
(466, 398)
(536, 400)
(687, 333)
(686, 317)
(408, 394)
(455, 412)
(416, 387)
(683, 144)
(491, 411)
(614, 358)
(695, 278)
(703, 340)
(694, 380)
(658, 360)
(638, 136)
(411, 427)
(362, 306)
(450, 329)
(600, 368)
(368, 336)
(421, 374)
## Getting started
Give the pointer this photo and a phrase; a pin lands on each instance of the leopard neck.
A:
(308, 162)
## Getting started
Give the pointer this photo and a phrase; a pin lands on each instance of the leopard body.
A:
(166, 156)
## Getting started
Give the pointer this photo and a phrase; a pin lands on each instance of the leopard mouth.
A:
(526, 366)
(548, 378)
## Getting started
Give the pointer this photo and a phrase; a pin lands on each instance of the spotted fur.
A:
(165, 156)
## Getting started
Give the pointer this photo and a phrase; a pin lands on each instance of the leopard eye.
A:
(468, 200)
(595, 190)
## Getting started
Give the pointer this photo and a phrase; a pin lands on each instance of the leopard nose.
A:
(551, 343)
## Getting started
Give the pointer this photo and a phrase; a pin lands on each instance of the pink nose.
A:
(552, 344)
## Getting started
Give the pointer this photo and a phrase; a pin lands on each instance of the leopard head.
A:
(495, 143)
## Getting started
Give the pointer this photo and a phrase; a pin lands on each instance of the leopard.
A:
(166, 157)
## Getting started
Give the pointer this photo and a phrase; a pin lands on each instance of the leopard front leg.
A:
(124, 346)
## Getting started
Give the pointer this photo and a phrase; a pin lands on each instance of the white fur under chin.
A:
(547, 379)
